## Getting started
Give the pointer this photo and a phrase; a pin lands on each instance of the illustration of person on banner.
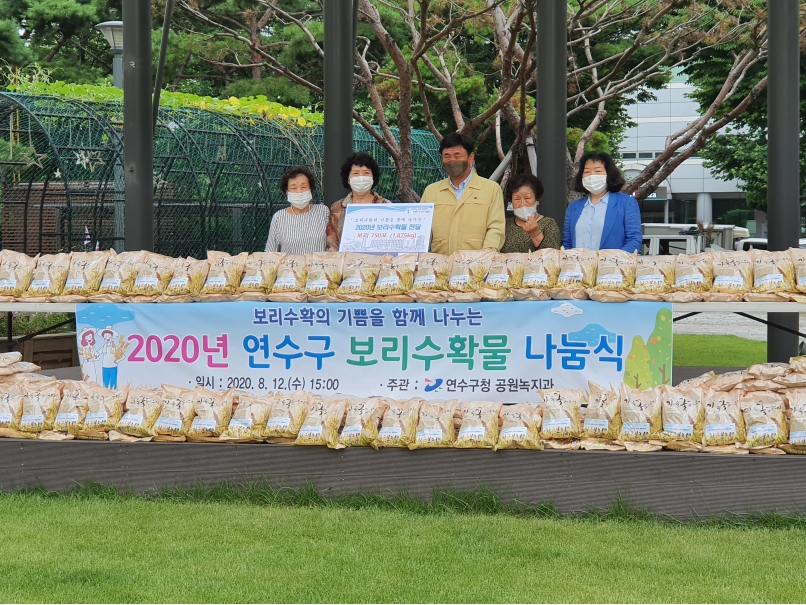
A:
(111, 354)
(89, 356)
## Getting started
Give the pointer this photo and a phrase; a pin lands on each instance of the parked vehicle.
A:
(760, 243)
(682, 238)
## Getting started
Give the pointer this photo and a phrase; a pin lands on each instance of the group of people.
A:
(470, 212)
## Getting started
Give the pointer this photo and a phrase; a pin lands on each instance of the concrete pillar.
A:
(705, 208)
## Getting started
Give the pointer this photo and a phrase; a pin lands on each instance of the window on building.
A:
(645, 155)
(628, 156)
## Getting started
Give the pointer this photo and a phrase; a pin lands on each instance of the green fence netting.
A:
(216, 175)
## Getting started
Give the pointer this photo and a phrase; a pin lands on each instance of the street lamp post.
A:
(113, 32)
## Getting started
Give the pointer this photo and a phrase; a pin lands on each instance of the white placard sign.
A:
(387, 228)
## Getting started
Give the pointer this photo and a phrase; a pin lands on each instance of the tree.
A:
(741, 151)
(637, 373)
(470, 67)
(659, 348)
(58, 34)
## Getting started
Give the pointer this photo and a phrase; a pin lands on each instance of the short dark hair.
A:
(524, 180)
(294, 172)
(456, 139)
(615, 180)
(364, 160)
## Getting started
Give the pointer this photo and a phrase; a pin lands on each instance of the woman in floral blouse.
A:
(526, 229)
(360, 174)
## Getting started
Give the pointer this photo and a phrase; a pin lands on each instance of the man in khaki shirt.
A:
(468, 209)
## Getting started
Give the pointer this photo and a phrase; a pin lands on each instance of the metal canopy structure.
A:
(216, 176)
(340, 28)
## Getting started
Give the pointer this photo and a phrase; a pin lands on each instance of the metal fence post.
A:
(339, 48)
(783, 164)
(138, 137)
(552, 64)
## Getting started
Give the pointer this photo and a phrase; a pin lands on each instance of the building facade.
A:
(691, 192)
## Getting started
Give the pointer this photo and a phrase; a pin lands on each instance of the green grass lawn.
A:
(717, 351)
(134, 550)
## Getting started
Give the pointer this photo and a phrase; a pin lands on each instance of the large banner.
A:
(501, 351)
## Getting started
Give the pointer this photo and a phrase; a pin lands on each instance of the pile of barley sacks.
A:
(761, 410)
(466, 276)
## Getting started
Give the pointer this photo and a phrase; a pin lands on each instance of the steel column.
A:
(783, 167)
(138, 137)
(340, 23)
(552, 62)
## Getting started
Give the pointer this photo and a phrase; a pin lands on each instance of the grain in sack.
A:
(540, 273)
(292, 275)
(399, 424)
(560, 408)
(728, 380)
(324, 275)
(287, 415)
(323, 420)
(469, 269)
(11, 396)
(259, 275)
(73, 408)
(361, 422)
(84, 276)
(435, 428)
(479, 428)
(654, 275)
(119, 275)
(520, 427)
(641, 419)
(104, 411)
(16, 274)
(248, 422)
(763, 413)
(577, 274)
(694, 273)
(153, 277)
(224, 276)
(178, 411)
(733, 277)
(143, 408)
(683, 415)
(212, 413)
(724, 423)
(602, 415)
(187, 279)
(40, 404)
(48, 277)
(395, 275)
(796, 414)
(360, 274)
(616, 270)
(702, 381)
(773, 272)
(432, 277)
(798, 256)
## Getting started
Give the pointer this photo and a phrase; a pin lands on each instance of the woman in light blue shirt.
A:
(605, 219)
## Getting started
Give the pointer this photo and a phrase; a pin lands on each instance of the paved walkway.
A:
(727, 323)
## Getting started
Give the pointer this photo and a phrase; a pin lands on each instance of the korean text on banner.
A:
(499, 351)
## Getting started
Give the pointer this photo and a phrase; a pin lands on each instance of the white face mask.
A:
(524, 212)
(361, 184)
(300, 200)
(595, 183)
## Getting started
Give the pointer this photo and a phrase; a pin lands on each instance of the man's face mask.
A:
(455, 169)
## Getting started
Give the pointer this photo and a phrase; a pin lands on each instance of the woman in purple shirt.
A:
(605, 219)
